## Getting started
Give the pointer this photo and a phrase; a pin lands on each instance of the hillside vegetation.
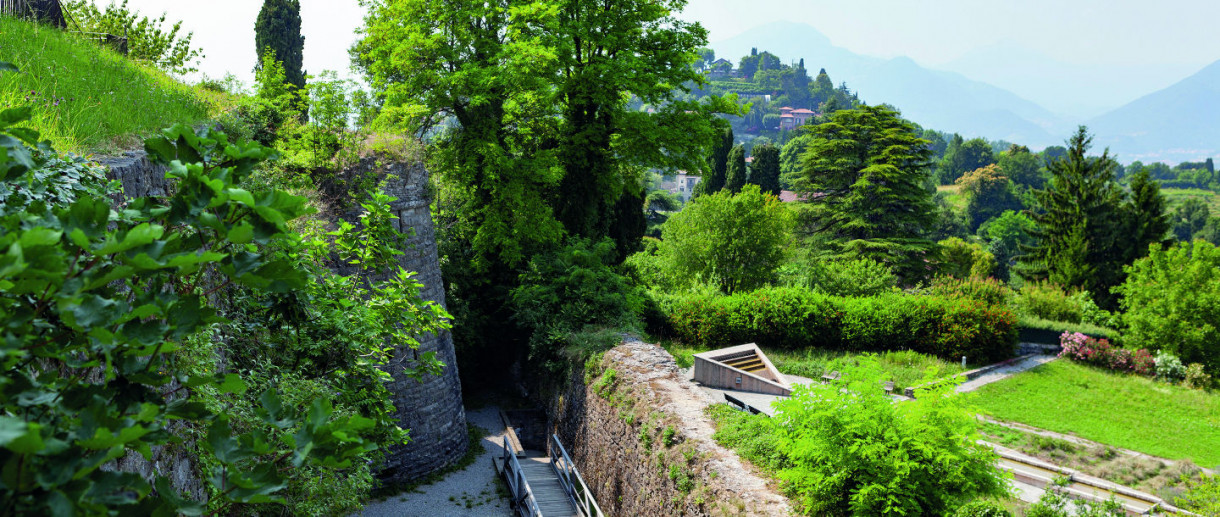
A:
(87, 98)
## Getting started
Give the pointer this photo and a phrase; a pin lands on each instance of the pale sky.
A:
(932, 32)
(937, 31)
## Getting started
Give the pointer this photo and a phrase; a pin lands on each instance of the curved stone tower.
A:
(431, 408)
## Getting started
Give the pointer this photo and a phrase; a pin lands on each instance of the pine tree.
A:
(864, 174)
(735, 178)
(1077, 224)
(764, 171)
(278, 28)
(1144, 218)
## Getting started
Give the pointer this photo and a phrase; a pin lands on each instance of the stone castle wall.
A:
(431, 408)
(614, 424)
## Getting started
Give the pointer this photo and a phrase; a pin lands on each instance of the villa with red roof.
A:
(790, 119)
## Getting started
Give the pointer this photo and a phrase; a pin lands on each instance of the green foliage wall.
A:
(1172, 302)
(795, 318)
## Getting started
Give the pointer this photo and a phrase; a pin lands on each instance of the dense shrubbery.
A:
(845, 448)
(569, 289)
(1100, 352)
(1047, 301)
(161, 324)
(791, 318)
(734, 241)
(982, 509)
(839, 277)
(1172, 302)
(986, 290)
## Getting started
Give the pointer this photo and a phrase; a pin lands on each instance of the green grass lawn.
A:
(906, 368)
(87, 98)
(953, 194)
(1124, 411)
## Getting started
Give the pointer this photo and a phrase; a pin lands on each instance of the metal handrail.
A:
(578, 492)
(523, 496)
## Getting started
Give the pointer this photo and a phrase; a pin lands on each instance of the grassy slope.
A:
(906, 368)
(90, 99)
(1174, 197)
(1124, 411)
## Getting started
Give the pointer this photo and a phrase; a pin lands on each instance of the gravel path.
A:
(468, 493)
(1005, 372)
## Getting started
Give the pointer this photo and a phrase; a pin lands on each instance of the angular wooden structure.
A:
(744, 368)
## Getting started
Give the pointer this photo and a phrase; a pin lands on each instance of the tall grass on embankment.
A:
(87, 98)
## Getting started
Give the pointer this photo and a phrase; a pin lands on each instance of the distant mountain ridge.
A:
(940, 100)
(1178, 123)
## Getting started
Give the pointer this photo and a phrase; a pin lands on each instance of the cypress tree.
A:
(1077, 222)
(713, 181)
(736, 176)
(278, 28)
(764, 172)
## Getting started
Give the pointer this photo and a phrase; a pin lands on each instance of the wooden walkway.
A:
(544, 484)
(548, 492)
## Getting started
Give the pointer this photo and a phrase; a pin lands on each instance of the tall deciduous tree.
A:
(472, 67)
(864, 175)
(736, 177)
(988, 194)
(278, 28)
(1077, 224)
(606, 52)
(964, 156)
(764, 171)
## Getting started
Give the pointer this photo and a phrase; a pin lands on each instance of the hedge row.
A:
(793, 318)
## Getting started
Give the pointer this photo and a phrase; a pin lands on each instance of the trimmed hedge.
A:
(794, 318)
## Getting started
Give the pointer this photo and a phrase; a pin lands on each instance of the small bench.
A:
(829, 377)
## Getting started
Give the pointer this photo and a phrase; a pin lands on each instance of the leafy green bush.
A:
(1202, 495)
(733, 241)
(1196, 377)
(986, 290)
(569, 289)
(842, 277)
(852, 451)
(982, 509)
(1169, 367)
(793, 318)
(1172, 302)
(1047, 301)
(961, 259)
(103, 310)
(1055, 502)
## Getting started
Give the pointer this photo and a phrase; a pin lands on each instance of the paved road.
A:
(465, 493)
(1005, 372)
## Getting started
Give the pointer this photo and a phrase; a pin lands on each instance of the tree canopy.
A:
(278, 27)
(863, 175)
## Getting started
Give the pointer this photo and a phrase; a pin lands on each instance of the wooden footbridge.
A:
(544, 484)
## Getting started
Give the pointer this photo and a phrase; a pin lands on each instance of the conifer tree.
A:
(864, 174)
(764, 171)
(1144, 218)
(1077, 224)
(736, 176)
(714, 179)
(278, 28)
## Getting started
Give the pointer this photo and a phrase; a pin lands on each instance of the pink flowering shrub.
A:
(1100, 352)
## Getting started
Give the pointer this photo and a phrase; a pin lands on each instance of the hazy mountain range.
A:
(1176, 122)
